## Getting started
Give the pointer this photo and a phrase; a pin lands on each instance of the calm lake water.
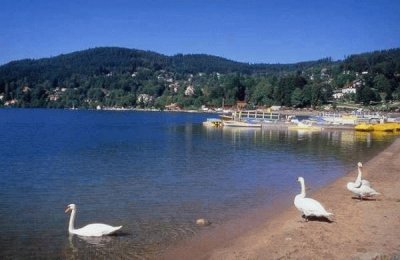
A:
(154, 173)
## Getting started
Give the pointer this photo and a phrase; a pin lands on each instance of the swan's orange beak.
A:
(67, 209)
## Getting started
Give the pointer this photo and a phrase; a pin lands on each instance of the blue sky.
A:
(281, 31)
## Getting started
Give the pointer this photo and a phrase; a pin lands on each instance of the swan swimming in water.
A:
(91, 230)
(309, 207)
(362, 188)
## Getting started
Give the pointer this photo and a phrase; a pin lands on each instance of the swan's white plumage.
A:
(359, 181)
(91, 230)
(362, 190)
(360, 187)
(309, 207)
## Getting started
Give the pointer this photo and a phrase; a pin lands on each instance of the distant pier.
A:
(278, 120)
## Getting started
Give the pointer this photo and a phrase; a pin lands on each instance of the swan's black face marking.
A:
(359, 186)
(70, 207)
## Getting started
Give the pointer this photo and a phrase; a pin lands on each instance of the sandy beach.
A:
(368, 229)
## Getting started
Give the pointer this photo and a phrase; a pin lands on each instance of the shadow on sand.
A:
(364, 199)
(319, 219)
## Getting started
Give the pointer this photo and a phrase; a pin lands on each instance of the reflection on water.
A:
(98, 247)
(95, 241)
(153, 173)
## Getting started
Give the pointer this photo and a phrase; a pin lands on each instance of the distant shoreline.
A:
(283, 112)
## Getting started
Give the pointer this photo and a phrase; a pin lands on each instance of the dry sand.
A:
(368, 229)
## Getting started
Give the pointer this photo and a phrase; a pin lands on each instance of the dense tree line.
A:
(120, 77)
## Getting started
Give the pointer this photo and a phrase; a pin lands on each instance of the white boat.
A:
(234, 123)
(213, 122)
(306, 125)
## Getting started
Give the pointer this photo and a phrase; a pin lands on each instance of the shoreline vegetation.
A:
(121, 77)
(286, 111)
(367, 229)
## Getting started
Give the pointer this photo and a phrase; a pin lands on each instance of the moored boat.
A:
(226, 117)
(364, 127)
(383, 127)
(387, 127)
(213, 122)
(395, 125)
(234, 123)
(305, 125)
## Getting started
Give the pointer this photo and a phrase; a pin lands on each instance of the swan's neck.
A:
(71, 227)
(303, 190)
(358, 180)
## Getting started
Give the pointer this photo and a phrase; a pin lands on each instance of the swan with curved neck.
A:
(91, 230)
(309, 207)
(359, 180)
(362, 188)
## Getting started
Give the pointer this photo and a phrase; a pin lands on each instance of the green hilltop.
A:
(129, 78)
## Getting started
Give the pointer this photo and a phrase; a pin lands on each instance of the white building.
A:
(338, 95)
(144, 98)
(189, 91)
(344, 91)
(349, 90)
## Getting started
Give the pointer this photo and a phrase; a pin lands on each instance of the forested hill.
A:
(111, 76)
(119, 60)
(98, 61)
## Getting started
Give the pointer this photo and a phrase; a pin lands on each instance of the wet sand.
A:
(365, 229)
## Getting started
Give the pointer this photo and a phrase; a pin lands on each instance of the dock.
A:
(284, 126)
(281, 121)
(260, 116)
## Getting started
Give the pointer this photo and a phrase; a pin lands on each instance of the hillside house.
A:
(349, 90)
(189, 91)
(173, 106)
(340, 93)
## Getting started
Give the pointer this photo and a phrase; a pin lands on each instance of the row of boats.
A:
(216, 122)
(385, 126)
(302, 125)
(313, 123)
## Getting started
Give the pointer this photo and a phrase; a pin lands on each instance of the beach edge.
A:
(360, 229)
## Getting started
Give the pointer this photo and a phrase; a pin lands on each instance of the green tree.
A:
(96, 94)
(366, 95)
(312, 94)
(262, 94)
(297, 98)
(383, 85)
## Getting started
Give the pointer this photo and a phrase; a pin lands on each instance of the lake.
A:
(154, 173)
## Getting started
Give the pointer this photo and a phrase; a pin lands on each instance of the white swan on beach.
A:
(359, 181)
(362, 188)
(309, 207)
(91, 230)
(362, 191)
